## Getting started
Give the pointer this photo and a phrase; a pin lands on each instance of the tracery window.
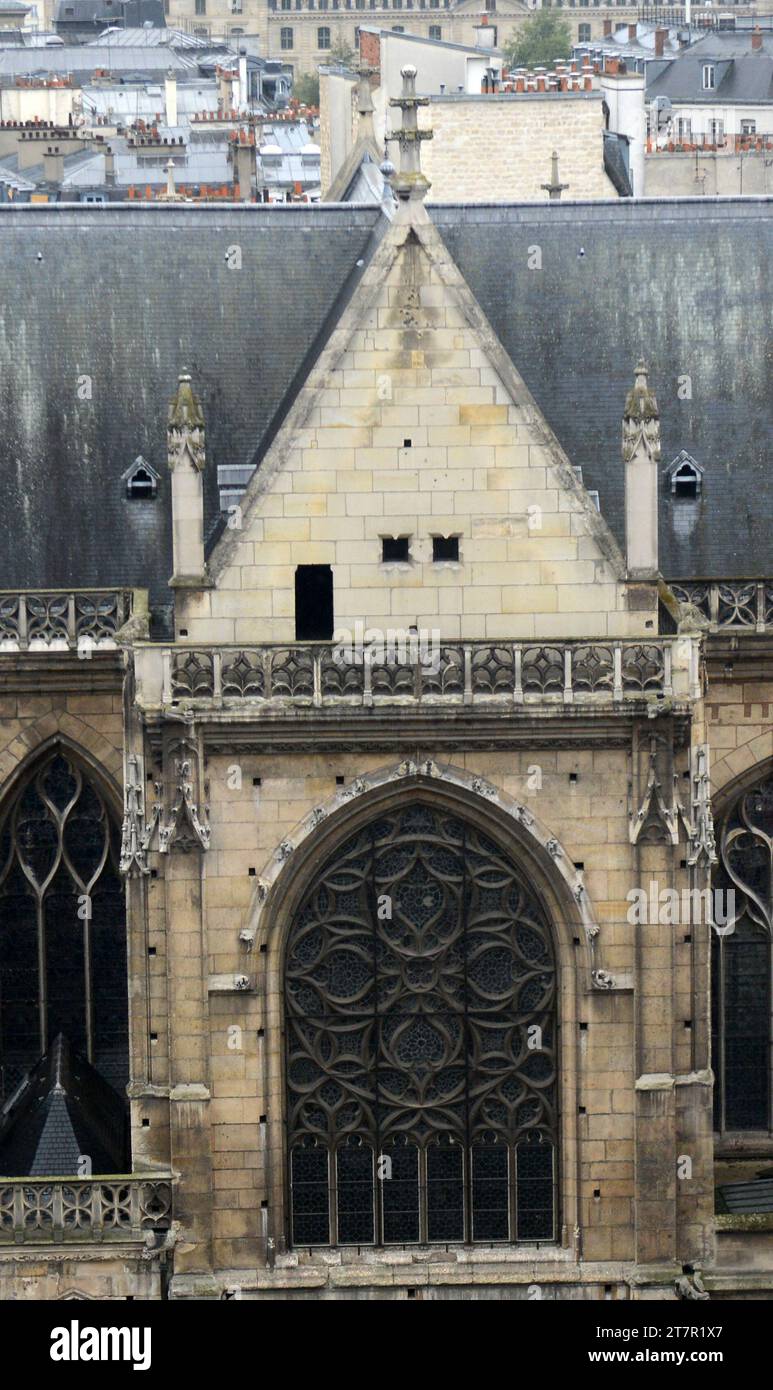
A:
(741, 966)
(420, 993)
(62, 926)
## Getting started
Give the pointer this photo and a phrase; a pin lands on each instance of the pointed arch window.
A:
(62, 925)
(420, 996)
(742, 966)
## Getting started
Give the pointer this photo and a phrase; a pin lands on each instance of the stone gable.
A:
(414, 423)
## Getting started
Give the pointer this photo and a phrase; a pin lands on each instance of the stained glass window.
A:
(62, 926)
(420, 994)
(741, 965)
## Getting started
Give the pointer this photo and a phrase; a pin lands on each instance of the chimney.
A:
(170, 97)
(660, 42)
(53, 164)
(756, 39)
(244, 169)
(484, 34)
(607, 28)
(243, 92)
(109, 166)
(641, 456)
(186, 458)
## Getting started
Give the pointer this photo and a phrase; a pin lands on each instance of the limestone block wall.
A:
(710, 175)
(457, 25)
(739, 707)
(498, 148)
(589, 817)
(91, 721)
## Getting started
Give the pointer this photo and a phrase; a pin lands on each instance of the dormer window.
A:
(685, 476)
(708, 77)
(141, 481)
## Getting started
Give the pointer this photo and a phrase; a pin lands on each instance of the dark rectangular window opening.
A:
(445, 548)
(394, 548)
(313, 603)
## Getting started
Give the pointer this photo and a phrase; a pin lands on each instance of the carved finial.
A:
(555, 188)
(410, 182)
(364, 102)
(171, 195)
(185, 430)
(640, 403)
(641, 417)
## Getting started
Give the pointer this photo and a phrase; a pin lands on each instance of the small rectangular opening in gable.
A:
(445, 548)
(394, 548)
(313, 603)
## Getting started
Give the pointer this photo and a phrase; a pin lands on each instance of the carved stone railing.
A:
(732, 604)
(75, 1209)
(461, 673)
(61, 620)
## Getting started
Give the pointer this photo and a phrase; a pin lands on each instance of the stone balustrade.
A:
(730, 605)
(401, 674)
(37, 1210)
(85, 620)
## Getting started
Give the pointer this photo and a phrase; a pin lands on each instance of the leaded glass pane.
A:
(490, 1192)
(534, 1185)
(62, 926)
(355, 1194)
(747, 1029)
(310, 1201)
(741, 965)
(400, 1194)
(445, 1192)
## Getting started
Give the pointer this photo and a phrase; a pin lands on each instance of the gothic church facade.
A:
(357, 828)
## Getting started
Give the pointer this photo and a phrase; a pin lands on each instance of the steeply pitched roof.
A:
(686, 283)
(63, 1111)
(128, 297)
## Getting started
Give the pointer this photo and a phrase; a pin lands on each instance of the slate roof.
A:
(130, 296)
(63, 1110)
(737, 80)
(688, 284)
(81, 61)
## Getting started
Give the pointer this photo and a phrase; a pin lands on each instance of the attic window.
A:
(708, 77)
(445, 548)
(141, 481)
(685, 476)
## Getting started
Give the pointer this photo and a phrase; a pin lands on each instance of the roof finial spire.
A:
(364, 101)
(171, 195)
(410, 182)
(555, 188)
